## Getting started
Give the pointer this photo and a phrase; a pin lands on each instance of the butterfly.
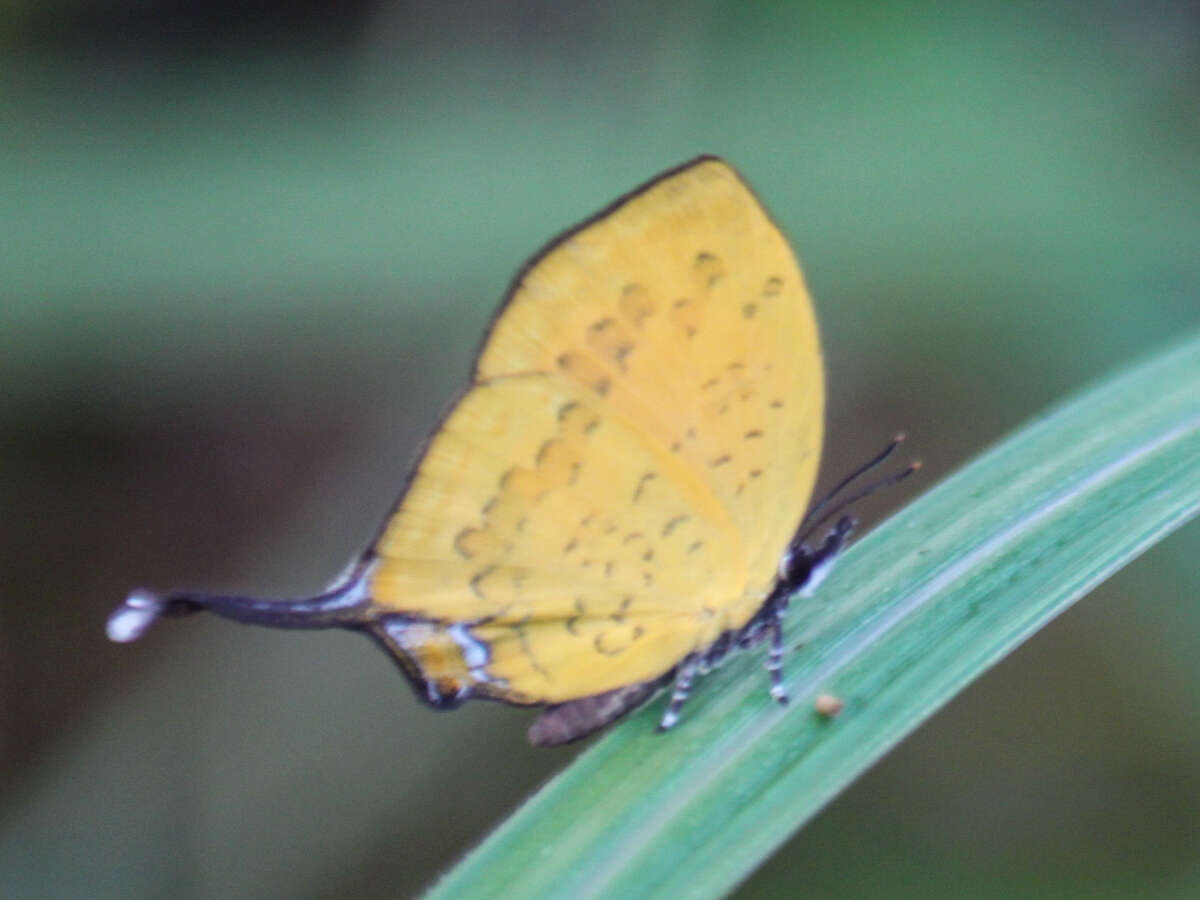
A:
(611, 505)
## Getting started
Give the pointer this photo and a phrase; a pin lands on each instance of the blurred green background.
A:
(246, 255)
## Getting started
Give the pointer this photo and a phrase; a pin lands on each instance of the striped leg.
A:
(775, 660)
(683, 686)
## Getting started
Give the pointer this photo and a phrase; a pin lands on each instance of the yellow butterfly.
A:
(611, 505)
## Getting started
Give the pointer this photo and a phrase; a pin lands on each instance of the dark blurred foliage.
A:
(140, 28)
(248, 250)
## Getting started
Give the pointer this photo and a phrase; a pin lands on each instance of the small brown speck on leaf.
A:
(828, 705)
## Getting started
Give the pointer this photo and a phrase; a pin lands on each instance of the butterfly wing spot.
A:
(521, 485)
(752, 434)
(674, 523)
(520, 489)
(735, 383)
(527, 651)
(614, 641)
(749, 310)
(572, 622)
(636, 304)
(721, 460)
(708, 269)
(602, 325)
(609, 566)
(773, 287)
(619, 615)
(755, 473)
(641, 485)
(686, 315)
(574, 421)
(695, 546)
(585, 371)
(601, 647)
(608, 339)
(463, 542)
(472, 543)
(558, 464)
(477, 579)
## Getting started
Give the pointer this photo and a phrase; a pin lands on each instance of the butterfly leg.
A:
(683, 687)
(801, 571)
(775, 659)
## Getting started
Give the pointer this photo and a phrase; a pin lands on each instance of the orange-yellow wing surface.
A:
(639, 440)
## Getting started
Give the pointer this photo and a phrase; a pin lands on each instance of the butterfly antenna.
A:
(866, 467)
(871, 488)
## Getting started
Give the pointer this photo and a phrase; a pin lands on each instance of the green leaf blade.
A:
(916, 611)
